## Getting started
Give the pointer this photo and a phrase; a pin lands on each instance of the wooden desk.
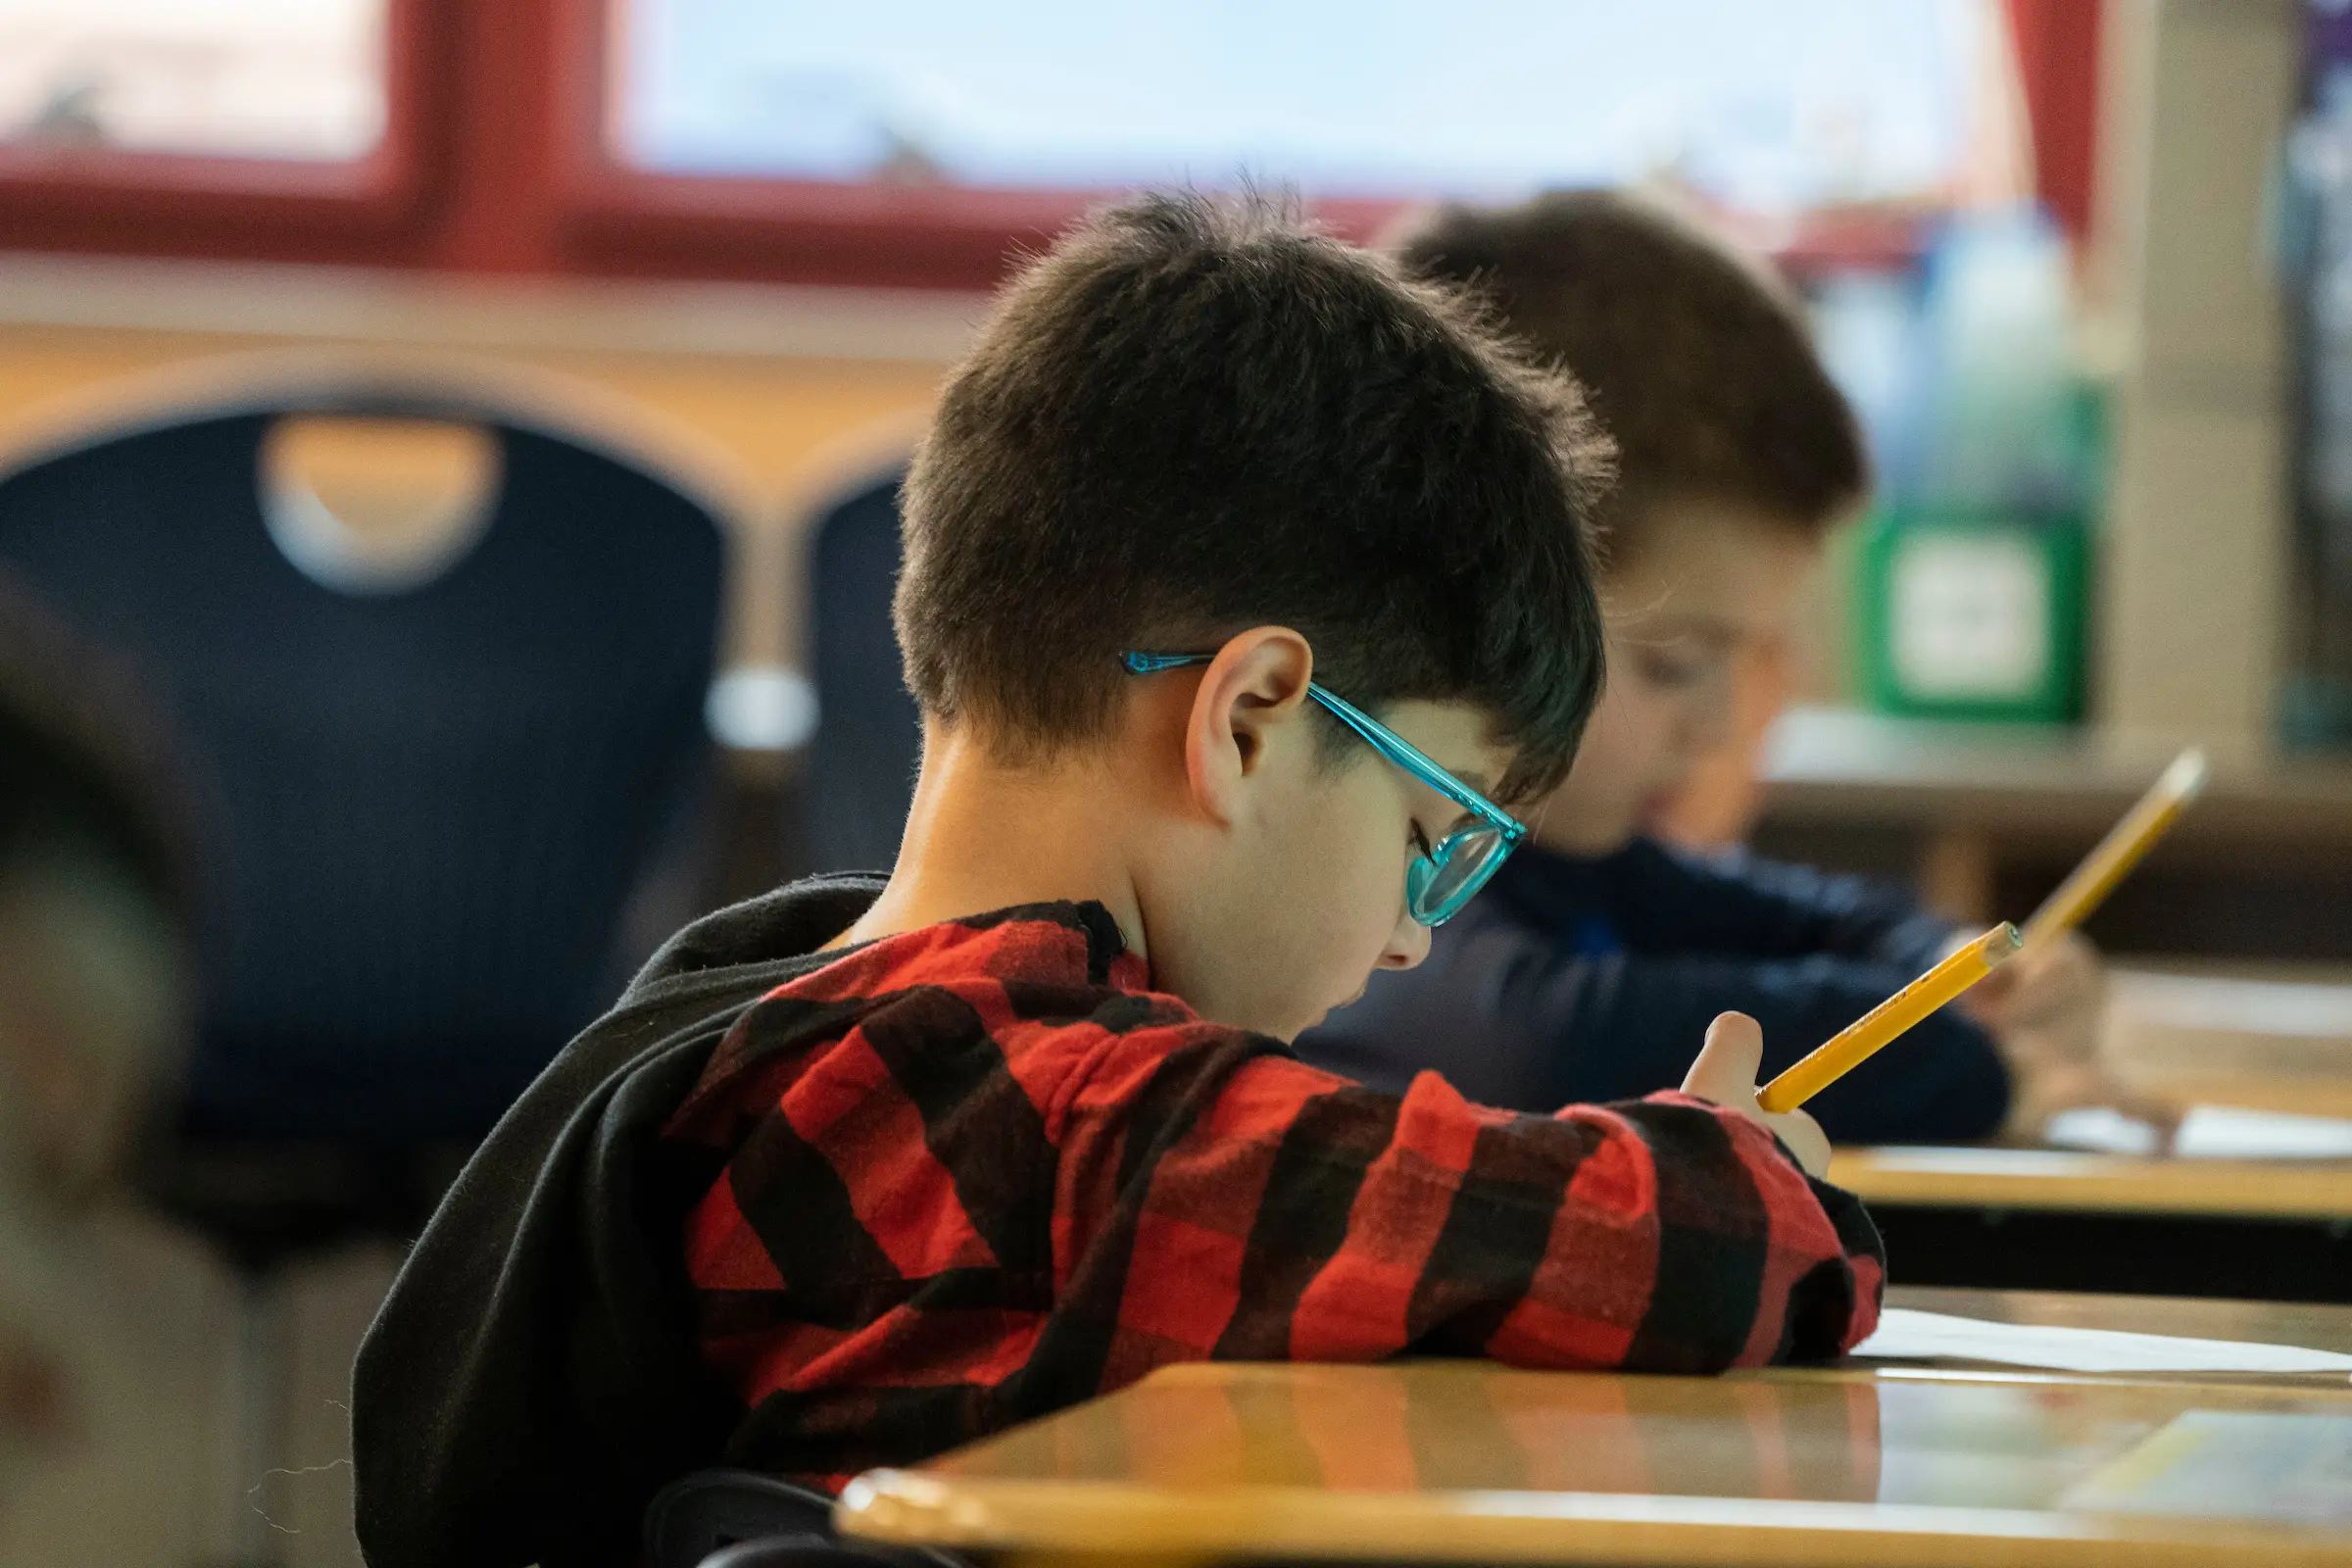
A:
(2014, 1180)
(1467, 1461)
(2279, 1038)
(2059, 1220)
(2035, 1219)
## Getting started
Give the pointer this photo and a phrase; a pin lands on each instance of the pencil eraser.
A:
(2185, 779)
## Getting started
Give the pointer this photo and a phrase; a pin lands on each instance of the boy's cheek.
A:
(1342, 893)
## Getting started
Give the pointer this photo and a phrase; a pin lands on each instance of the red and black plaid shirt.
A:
(980, 1171)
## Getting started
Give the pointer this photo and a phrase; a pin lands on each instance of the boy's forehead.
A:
(1686, 524)
(1715, 561)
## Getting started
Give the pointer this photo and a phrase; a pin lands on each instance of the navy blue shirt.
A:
(1577, 979)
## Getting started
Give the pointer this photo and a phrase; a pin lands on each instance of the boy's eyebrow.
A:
(1711, 627)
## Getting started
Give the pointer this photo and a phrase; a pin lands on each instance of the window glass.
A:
(249, 79)
(1767, 106)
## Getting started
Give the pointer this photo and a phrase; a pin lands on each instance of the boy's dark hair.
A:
(1194, 417)
(1696, 357)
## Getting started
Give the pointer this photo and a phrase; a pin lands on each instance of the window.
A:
(223, 79)
(1767, 108)
(922, 142)
(229, 127)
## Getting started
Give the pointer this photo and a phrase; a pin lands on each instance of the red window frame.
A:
(494, 160)
(807, 230)
(104, 199)
(832, 232)
(2058, 65)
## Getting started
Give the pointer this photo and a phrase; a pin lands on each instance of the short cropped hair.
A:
(1195, 416)
(1695, 357)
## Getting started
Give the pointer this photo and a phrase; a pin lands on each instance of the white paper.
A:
(2225, 1132)
(1905, 1335)
(2099, 1130)
(2207, 1132)
(1975, 1159)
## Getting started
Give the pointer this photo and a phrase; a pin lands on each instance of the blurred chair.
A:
(430, 768)
(739, 1519)
(712, 1511)
(868, 741)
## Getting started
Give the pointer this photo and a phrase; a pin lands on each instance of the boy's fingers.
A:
(1805, 1139)
(1726, 1070)
(1990, 994)
(1725, 1074)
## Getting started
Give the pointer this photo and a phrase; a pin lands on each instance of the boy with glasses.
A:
(1246, 589)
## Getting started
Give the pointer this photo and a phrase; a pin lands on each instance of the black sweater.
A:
(533, 1378)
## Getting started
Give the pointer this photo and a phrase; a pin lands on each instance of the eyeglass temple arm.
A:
(1379, 735)
(1413, 760)
(1152, 664)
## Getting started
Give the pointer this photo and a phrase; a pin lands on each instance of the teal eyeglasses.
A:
(1441, 880)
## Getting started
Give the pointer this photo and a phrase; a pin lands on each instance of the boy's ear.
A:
(1252, 692)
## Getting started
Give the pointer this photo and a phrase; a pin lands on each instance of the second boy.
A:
(1600, 948)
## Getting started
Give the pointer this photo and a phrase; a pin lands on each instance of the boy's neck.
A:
(983, 835)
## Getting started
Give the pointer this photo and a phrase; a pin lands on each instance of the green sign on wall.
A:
(1974, 614)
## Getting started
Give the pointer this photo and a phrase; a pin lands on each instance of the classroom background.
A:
(447, 458)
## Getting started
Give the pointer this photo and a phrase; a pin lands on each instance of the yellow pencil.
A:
(1851, 1046)
(2120, 851)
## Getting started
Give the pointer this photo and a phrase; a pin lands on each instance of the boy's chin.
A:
(1289, 1029)
(1324, 1016)
(1273, 1013)
(1652, 814)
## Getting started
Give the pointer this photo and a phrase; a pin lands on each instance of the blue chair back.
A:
(869, 740)
(422, 811)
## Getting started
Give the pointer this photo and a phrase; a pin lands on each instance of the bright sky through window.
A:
(1767, 106)
(253, 78)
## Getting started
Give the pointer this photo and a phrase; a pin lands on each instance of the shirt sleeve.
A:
(1514, 1016)
(1667, 899)
(1294, 1214)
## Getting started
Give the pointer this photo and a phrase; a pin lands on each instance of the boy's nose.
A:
(1408, 944)
(1707, 721)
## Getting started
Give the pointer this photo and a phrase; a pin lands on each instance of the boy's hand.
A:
(2057, 993)
(2045, 1009)
(1725, 1074)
